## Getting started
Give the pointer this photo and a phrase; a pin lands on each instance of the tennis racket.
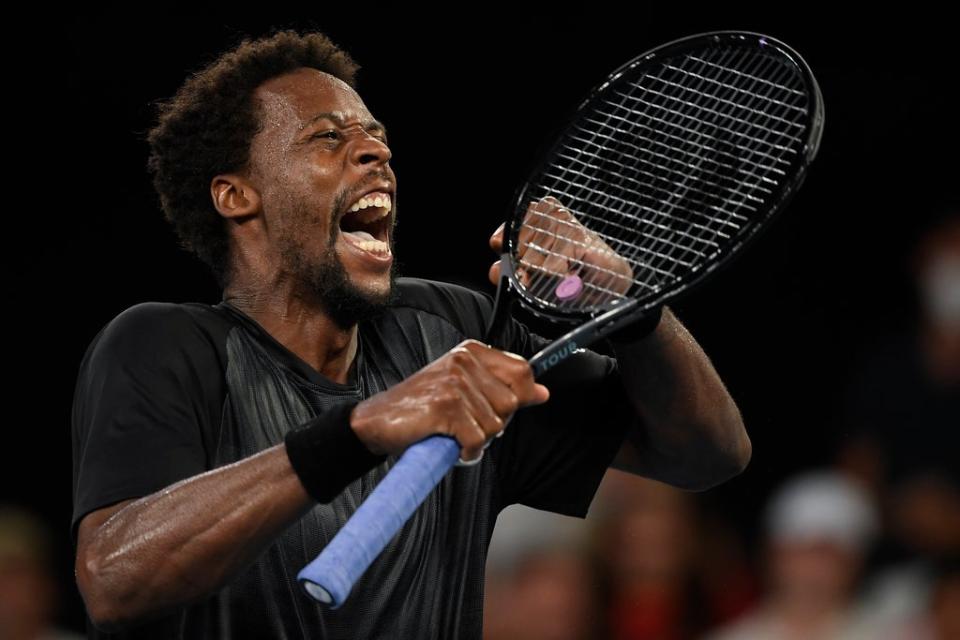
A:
(664, 173)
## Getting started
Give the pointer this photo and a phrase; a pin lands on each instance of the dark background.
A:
(469, 94)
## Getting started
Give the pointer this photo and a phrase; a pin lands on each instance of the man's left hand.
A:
(554, 244)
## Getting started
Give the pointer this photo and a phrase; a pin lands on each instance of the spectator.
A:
(28, 591)
(648, 544)
(818, 529)
(550, 596)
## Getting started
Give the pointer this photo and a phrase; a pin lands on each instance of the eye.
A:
(333, 134)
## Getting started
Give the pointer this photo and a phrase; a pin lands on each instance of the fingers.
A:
(483, 398)
(511, 370)
(493, 385)
(554, 244)
(551, 240)
(496, 240)
(494, 273)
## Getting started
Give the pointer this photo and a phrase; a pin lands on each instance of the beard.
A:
(343, 301)
(325, 282)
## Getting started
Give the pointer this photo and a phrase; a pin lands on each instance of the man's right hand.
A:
(468, 393)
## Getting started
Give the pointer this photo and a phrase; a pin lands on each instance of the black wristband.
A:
(638, 330)
(327, 455)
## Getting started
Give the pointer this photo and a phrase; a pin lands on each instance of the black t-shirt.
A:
(167, 391)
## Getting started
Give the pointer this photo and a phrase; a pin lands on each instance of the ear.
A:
(234, 196)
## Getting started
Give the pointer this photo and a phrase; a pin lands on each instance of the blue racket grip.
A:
(332, 574)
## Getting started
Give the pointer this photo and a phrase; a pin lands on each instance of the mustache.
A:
(368, 180)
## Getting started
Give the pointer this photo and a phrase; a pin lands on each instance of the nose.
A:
(369, 149)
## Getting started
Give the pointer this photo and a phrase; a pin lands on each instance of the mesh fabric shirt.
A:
(167, 391)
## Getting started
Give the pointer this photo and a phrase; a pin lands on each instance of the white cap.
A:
(822, 506)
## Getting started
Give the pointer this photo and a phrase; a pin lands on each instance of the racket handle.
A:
(332, 574)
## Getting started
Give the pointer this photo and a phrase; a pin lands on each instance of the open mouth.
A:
(366, 225)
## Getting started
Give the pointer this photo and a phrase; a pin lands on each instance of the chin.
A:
(373, 288)
(351, 295)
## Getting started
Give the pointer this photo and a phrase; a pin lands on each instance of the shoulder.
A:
(156, 332)
(463, 307)
(437, 296)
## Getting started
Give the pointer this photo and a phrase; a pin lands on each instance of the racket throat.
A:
(583, 336)
(503, 305)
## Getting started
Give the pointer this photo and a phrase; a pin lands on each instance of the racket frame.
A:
(510, 284)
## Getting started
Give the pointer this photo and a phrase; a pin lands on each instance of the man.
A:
(218, 448)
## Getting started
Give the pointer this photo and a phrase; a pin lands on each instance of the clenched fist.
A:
(468, 393)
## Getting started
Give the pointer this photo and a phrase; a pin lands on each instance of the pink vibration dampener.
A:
(569, 288)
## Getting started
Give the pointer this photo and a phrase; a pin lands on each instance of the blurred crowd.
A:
(867, 548)
(652, 567)
(29, 589)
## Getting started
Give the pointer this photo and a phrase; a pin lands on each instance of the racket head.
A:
(675, 162)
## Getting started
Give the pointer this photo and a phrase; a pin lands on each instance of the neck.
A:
(303, 327)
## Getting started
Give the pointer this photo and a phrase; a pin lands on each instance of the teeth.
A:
(371, 245)
(374, 246)
(379, 200)
(366, 242)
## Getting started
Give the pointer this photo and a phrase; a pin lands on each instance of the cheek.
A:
(310, 210)
(307, 197)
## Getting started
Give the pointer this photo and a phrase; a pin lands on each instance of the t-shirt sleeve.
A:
(140, 407)
(553, 456)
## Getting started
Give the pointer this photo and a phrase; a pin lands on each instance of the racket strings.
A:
(801, 111)
(729, 198)
(683, 127)
(639, 184)
(683, 134)
(631, 218)
(753, 78)
(733, 120)
(685, 156)
(671, 168)
(568, 240)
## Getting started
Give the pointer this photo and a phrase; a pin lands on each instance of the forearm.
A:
(186, 541)
(690, 432)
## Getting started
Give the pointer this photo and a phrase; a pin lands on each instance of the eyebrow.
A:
(336, 119)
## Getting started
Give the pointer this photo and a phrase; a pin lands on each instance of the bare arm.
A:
(690, 432)
(186, 541)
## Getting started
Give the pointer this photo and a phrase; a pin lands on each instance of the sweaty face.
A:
(321, 163)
